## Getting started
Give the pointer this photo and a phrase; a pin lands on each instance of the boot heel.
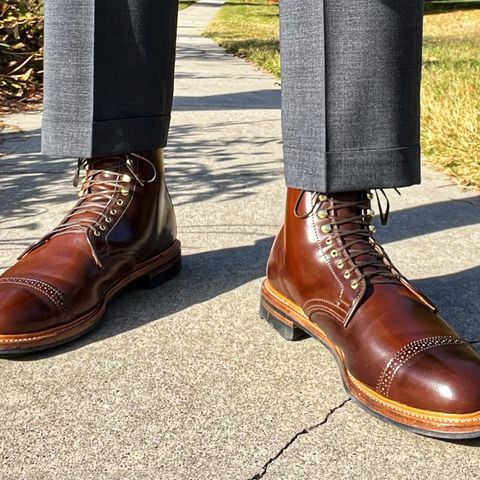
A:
(280, 322)
(155, 278)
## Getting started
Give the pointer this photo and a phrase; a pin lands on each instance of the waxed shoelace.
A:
(356, 242)
(91, 209)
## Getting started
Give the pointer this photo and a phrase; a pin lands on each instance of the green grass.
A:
(443, 6)
(185, 3)
(451, 77)
(249, 29)
(451, 94)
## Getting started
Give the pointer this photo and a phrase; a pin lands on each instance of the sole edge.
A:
(290, 315)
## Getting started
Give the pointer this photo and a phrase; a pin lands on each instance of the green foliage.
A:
(451, 94)
(21, 50)
(182, 4)
(249, 29)
(444, 6)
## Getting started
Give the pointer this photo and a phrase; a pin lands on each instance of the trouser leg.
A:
(351, 93)
(109, 68)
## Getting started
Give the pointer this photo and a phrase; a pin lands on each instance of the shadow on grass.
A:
(431, 7)
(250, 43)
(445, 6)
(185, 3)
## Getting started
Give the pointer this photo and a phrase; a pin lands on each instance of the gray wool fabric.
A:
(350, 85)
(108, 78)
(351, 93)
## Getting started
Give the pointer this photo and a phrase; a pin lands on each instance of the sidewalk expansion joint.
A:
(292, 440)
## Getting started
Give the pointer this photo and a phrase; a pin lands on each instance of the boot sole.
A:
(148, 274)
(291, 323)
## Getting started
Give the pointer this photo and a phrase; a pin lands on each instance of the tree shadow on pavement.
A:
(204, 276)
(30, 185)
(433, 217)
(251, 100)
(209, 274)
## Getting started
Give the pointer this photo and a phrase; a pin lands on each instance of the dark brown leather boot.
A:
(328, 278)
(121, 230)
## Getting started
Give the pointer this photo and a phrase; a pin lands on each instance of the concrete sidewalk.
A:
(185, 381)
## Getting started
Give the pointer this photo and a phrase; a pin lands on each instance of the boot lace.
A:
(358, 248)
(96, 192)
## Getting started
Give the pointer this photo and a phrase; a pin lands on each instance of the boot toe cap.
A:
(24, 310)
(444, 380)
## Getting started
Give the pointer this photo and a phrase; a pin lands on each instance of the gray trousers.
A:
(350, 85)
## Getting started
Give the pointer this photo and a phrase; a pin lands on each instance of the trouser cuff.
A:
(93, 139)
(353, 170)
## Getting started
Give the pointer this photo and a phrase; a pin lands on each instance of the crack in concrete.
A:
(475, 203)
(292, 440)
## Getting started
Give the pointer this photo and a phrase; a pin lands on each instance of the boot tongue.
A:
(105, 163)
(107, 169)
(349, 212)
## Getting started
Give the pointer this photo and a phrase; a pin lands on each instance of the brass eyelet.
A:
(113, 212)
(372, 228)
(323, 198)
(322, 214)
(103, 227)
(329, 241)
(124, 191)
(370, 195)
(96, 233)
(334, 253)
(126, 178)
(370, 212)
(108, 220)
(326, 228)
(119, 202)
(340, 264)
(347, 275)
(354, 284)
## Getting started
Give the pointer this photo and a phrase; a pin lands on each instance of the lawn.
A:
(249, 29)
(451, 94)
(185, 3)
(451, 77)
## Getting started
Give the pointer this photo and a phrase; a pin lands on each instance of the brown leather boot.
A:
(328, 278)
(121, 230)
